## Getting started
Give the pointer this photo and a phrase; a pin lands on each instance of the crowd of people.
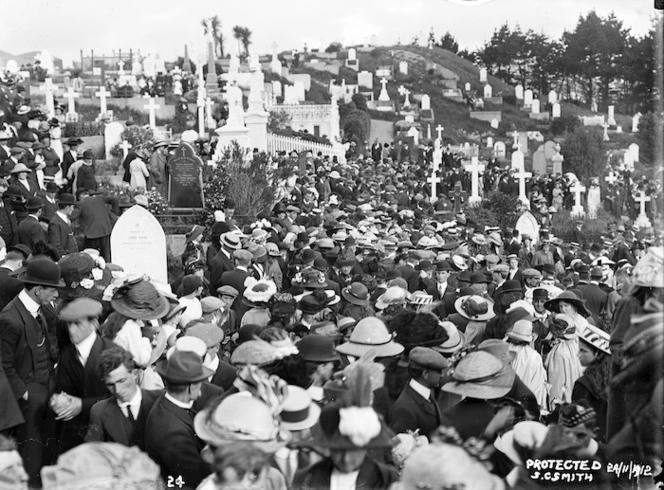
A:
(353, 336)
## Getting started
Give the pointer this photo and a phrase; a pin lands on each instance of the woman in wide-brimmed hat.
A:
(477, 310)
(527, 362)
(562, 363)
(571, 305)
(257, 296)
(356, 297)
(135, 303)
(371, 333)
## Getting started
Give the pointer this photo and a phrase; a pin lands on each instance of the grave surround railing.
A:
(277, 142)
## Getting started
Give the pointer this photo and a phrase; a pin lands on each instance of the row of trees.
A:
(241, 34)
(599, 60)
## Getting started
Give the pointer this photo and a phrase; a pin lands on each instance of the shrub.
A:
(584, 153)
(567, 123)
(140, 137)
(562, 225)
(498, 209)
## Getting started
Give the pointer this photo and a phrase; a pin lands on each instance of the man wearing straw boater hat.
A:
(170, 438)
(28, 357)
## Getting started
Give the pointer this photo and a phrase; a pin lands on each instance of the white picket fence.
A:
(277, 142)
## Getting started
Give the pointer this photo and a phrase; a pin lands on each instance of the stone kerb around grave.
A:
(487, 116)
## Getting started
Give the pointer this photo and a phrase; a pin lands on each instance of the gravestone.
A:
(612, 115)
(521, 176)
(634, 150)
(518, 92)
(489, 142)
(352, 62)
(290, 95)
(352, 54)
(518, 160)
(577, 210)
(138, 244)
(415, 134)
(426, 103)
(527, 225)
(383, 96)
(553, 97)
(186, 178)
(555, 110)
(276, 88)
(299, 91)
(539, 161)
(535, 107)
(403, 67)
(467, 87)
(112, 136)
(365, 79)
(482, 75)
(495, 123)
(628, 160)
(488, 91)
(528, 98)
(635, 122)
(499, 149)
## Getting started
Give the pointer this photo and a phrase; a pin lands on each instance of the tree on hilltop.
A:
(217, 34)
(449, 42)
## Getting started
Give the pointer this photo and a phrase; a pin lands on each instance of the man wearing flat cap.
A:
(224, 374)
(170, 438)
(416, 407)
(78, 386)
(122, 417)
(28, 356)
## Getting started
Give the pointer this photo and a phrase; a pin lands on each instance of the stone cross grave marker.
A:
(457, 195)
(642, 221)
(474, 168)
(71, 105)
(138, 244)
(102, 94)
(611, 178)
(384, 96)
(121, 65)
(186, 178)
(49, 88)
(152, 107)
(577, 210)
(439, 130)
(406, 102)
(499, 149)
(522, 175)
(433, 180)
(125, 146)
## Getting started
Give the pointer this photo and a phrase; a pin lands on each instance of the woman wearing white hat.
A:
(527, 362)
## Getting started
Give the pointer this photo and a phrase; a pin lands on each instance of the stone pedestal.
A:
(257, 130)
(578, 212)
(642, 221)
(229, 133)
(474, 201)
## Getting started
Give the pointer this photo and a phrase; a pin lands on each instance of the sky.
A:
(64, 27)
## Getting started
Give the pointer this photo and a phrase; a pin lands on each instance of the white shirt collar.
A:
(85, 346)
(343, 481)
(211, 364)
(63, 216)
(30, 304)
(134, 403)
(420, 389)
(178, 403)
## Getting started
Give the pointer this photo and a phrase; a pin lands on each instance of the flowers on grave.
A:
(139, 137)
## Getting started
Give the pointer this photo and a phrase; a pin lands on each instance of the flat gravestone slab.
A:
(186, 178)
(138, 244)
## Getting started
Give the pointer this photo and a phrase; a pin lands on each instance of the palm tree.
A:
(217, 35)
(246, 39)
(237, 34)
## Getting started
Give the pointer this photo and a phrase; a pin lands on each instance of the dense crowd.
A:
(354, 336)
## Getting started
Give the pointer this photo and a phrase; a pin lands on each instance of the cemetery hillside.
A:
(235, 257)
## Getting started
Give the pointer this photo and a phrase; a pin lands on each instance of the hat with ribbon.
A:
(481, 375)
(371, 333)
(597, 338)
(140, 300)
(184, 367)
(42, 272)
(357, 294)
(474, 307)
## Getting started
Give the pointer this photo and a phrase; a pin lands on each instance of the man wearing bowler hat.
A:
(70, 156)
(30, 230)
(28, 357)
(170, 439)
(60, 233)
(416, 407)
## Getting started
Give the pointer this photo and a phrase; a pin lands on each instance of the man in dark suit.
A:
(9, 285)
(95, 221)
(28, 357)
(237, 277)
(212, 335)
(120, 418)
(408, 272)
(512, 245)
(60, 234)
(30, 230)
(596, 298)
(223, 261)
(440, 287)
(70, 156)
(50, 201)
(8, 223)
(170, 438)
(416, 407)
(78, 386)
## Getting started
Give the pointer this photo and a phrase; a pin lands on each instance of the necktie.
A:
(42, 327)
(130, 414)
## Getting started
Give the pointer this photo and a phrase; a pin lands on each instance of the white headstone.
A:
(138, 244)
(553, 97)
(555, 110)
(612, 115)
(642, 221)
(628, 160)
(409, 118)
(426, 102)
(365, 79)
(352, 54)
(71, 105)
(495, 123)
(234, 64)
(518, 92)
(489, 142)
(299, 91)
(482, 75)
(488, 91)
(112, 136)
(535, 107)
(634, 150)
(152, 107)
(499, 149)
(527, 225)
(635, 122)
(254, 62)
(605, 136)
(121, 65)
(619, 129)
(518, 159)
(528, 98)
(276, 88)
(474, 168)
(433, 180)
(577, 210)
(467, 87)
(384, 96)
(275, 64)
(290, 95)
(49, 88)
(522, 175)
(415, 134)
(403, 67)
